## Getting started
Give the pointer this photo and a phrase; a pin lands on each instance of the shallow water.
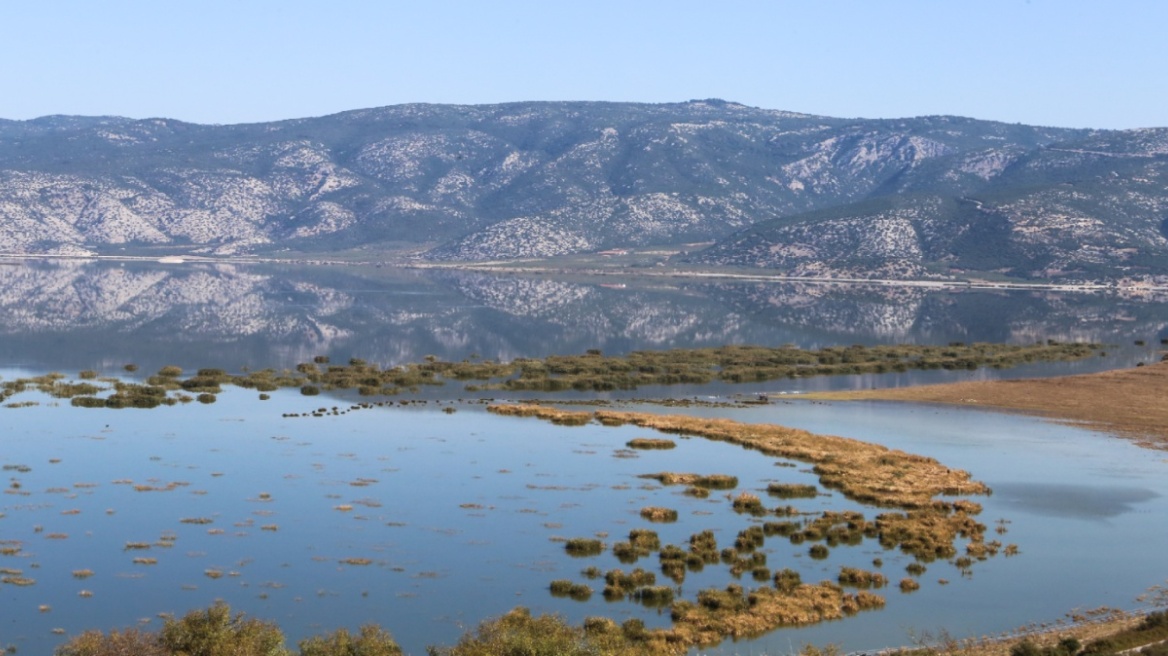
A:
(459, 514)
(1086, 509)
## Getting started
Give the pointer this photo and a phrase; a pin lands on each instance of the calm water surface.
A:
(461, 515)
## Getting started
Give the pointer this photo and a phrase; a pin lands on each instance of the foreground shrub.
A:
(115, 643)
(519, 634)
(371, 640)
(216, 632)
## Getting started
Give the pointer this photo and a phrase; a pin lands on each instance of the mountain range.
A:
(720, 183)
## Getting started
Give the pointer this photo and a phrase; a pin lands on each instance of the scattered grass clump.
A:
(620, 584)
(792, 491)
(640, 544)
(748, 503)
(583, 547)
(704, 481)
(659, 514)
(859, 578)
(650, 443)
(356, 561)
(567, 588)
(654, 596)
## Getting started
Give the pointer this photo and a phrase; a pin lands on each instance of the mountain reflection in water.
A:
(69, 314)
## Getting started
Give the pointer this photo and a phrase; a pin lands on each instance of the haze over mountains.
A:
(805, 195)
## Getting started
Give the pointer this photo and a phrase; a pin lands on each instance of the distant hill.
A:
(804, 194)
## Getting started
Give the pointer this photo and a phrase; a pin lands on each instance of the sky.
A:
(1067, 63)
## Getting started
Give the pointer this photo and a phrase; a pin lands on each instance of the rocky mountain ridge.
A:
(809, 195)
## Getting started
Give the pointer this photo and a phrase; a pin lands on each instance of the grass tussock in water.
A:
(706, 481)
(792, 491)
(583, 547)
(659, 514)
(650, 443)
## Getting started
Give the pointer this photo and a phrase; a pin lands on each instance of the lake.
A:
(427, 521)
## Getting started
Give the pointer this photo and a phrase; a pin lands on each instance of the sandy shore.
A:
(1131, 403)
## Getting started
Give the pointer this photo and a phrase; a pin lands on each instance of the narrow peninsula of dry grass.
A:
(1125, 402)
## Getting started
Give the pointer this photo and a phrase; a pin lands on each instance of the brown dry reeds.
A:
(735, 613)
(554, 415)
(863, 471)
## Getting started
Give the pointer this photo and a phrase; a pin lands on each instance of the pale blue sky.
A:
(1074, 63)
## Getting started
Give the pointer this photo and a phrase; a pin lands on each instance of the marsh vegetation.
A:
(917, 520)
(909, 499)
(592, 371)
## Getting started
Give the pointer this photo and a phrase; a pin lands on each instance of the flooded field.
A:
(428, 518)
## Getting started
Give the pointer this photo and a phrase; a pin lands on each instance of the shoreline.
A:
(1128, 403)
(535, 267)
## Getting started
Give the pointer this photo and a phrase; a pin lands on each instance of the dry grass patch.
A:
(863, 471)
(554, 415)
(707, 481)
(650, 443)
(736, 613)
(659, 514)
